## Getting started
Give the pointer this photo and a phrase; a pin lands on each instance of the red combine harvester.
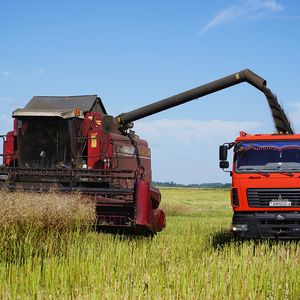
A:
(72, 144)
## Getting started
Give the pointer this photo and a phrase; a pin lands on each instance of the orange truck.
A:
(265, 193)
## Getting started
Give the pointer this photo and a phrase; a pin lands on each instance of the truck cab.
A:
(265, 193)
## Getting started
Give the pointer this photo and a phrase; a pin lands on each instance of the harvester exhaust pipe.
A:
(281, 121)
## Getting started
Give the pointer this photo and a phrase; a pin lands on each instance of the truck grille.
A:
(281, 197)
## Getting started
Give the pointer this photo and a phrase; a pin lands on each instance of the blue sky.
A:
(132, 53)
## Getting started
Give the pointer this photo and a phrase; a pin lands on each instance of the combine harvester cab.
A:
(70, 144)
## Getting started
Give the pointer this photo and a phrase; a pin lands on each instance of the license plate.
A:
(280, 203)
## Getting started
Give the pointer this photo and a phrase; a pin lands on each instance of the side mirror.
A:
(223, 152)
(224, 164)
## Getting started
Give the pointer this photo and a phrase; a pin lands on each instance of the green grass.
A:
(195, 257)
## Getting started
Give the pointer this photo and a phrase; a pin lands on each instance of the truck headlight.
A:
(239, 227)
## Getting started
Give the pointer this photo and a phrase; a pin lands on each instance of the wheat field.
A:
(50, 250)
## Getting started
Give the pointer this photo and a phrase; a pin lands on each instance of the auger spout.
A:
(281, 121)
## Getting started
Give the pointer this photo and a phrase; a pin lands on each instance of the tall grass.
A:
(60, 212)
(39, 224)
(195, 257)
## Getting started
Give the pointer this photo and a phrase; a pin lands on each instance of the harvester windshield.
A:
(267, 156)
(44, 142)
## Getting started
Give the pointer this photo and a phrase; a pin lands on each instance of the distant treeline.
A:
(214, 185)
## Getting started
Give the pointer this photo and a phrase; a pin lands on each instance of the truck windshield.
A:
(270, 156)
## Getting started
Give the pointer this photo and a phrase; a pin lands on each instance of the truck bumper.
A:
(269, 225)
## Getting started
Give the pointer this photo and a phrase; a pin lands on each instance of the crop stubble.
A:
(61, 256)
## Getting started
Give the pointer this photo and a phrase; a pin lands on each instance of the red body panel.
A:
(93, 161)
(9, 149)
(146, 216)
(91, 128)
(245, 181)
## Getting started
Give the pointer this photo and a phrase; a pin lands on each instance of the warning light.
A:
(77, 112)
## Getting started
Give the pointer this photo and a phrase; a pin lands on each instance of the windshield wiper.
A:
(262, 172)
(257, 171)
(286, 173)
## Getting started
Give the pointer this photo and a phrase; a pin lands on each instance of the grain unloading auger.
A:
(281, 121)
(72, 144)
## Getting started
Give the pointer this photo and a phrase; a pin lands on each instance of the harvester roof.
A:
(60, 106)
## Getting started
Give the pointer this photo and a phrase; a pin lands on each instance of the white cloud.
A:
(186, 151)
(5, 74)
(272, 5)
(245, 10)
(186, 131)
(36, 74)
(22, 76)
